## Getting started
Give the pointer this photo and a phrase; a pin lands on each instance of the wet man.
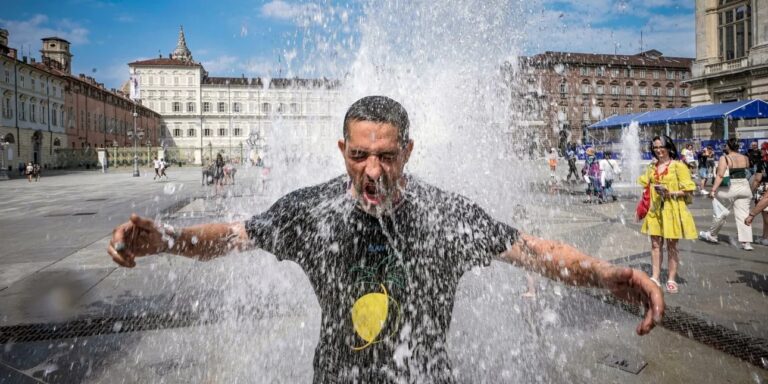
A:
(384, 252)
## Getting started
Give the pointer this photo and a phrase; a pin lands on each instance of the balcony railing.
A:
(726, 66)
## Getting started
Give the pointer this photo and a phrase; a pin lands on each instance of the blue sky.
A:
(274, 38)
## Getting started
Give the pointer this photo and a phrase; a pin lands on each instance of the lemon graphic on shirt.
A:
(370, 312)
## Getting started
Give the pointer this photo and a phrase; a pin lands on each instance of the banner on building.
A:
(135, 92)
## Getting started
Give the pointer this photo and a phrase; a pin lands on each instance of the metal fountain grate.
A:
(94, 327)
(750, 349)
(88, 327)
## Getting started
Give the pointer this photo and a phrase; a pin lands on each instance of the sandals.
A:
(671, 287)
(656, 281)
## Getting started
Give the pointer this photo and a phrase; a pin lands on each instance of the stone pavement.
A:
(247, 317)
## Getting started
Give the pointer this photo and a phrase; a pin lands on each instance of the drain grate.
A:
(750, 349)
(95, 326)
(147, 322)
(83, 213)
(97, 199)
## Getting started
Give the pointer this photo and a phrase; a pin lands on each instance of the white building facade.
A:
(204, 115)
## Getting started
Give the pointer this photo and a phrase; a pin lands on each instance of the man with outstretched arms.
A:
(384, 252)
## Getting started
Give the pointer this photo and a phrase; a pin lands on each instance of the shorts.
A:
(703, 173)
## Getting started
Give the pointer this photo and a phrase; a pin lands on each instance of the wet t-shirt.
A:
(386, 285)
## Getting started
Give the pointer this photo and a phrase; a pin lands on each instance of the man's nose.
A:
(373, 167)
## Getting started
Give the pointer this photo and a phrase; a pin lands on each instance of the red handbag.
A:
(644, 204)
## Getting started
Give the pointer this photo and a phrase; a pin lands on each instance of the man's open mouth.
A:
(372, 194)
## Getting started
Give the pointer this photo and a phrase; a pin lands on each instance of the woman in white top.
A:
(609, 170)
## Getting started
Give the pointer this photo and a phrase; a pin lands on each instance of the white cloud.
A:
(303, 15)
(27, 33)
(125, 19)
(599, 30)
(224, 65)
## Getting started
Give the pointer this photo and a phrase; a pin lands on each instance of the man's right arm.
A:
(142, 237)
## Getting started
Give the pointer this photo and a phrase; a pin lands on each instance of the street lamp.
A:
(135, 144)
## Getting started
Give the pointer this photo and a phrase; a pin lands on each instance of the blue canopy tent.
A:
(745, 109)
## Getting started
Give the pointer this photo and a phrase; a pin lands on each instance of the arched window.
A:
(56, 142)
(9, 138)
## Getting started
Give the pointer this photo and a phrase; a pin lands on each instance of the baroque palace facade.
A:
(236, 116)
(56, 119)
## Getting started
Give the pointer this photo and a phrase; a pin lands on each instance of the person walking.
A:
(552, 160)
(754, 156)
(731, 175)
(668, 220)
(571, 156)
(759, 187)
(609, 171)
(29, 170)
(156, 164)
(703, 168)
(689, 157)
(36, 171)
(163, 167)
(591, 172)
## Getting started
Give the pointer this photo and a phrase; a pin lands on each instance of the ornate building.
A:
(731, 60)
(576, 90)
(204, 115)
(54, 118)
(32, 120)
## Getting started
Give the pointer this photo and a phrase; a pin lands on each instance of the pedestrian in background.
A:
(609, 171)
(689, 157)
(703, 167)
(735, 196)
(754, 156)
(552, 160)
(163, 167)
(571, 156)
(156, 164)
(759, 187)
(36, 171)
(591, 173)
(668, 220)
(29, 170)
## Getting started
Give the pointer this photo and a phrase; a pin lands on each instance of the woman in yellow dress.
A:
(668, 217)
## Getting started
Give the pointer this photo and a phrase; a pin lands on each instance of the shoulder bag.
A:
(727, 175)
(645, 202)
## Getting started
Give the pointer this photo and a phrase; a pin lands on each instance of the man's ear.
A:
(407, 151)
(342, 146)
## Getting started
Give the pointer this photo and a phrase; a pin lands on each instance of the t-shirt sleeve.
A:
(277, 229)
(485, 238)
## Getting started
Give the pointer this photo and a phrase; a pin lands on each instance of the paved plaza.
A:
(68, 314)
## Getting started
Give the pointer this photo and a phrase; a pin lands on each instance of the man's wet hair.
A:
(379, 109)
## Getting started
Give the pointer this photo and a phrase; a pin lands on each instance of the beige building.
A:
(574, 90)
(203, 115)
(731, 61)
(32, 112)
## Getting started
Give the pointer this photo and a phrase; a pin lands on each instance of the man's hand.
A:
(634, 287)
(135, 238)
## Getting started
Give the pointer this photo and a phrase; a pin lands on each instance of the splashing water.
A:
(630, 151)
(444, 63)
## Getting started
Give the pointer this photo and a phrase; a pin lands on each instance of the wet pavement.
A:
(68, 314)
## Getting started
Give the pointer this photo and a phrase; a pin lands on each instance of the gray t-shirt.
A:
(386, 285)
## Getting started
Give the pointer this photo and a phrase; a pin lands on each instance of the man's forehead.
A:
(368, 132)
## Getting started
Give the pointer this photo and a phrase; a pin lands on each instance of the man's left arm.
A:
(564, 263)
